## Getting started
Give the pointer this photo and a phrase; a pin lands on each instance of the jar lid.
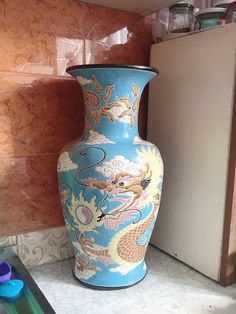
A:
(223, 3)
(211, 10)
(182, 6)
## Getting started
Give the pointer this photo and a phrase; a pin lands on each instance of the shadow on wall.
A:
(39, 115)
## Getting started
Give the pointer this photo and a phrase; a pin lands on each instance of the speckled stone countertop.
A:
(169, 288)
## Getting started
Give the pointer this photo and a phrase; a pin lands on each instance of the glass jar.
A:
(210, 18)
(180, 18)
(231, 13)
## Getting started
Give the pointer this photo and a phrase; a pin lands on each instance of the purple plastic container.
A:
(5, 271)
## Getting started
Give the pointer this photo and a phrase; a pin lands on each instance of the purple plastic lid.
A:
(5, 271)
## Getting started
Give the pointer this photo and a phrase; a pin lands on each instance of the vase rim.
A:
(117, 66)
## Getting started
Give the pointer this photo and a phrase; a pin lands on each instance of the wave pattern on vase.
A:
(110, 181)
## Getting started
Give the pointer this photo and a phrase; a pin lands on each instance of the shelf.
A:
(143, 7)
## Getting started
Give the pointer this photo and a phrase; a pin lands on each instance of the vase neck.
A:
(111, 97)
(112, 131)
(115, 119)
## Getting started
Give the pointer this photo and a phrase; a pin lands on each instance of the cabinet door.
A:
(190, 120)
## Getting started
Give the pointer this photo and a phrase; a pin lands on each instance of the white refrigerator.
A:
(190, 117)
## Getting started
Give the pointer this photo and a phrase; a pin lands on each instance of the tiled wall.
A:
(40, 247)
(40, 106)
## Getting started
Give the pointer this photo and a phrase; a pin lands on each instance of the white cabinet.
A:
(190, 120)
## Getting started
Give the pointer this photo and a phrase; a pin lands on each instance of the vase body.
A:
(110, 180)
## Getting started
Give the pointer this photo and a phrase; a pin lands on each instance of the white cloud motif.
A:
(118, 111)
(118, 164)
(83, 81)
(85, 274)
(65, 163)
(123, 270)
(96, 138)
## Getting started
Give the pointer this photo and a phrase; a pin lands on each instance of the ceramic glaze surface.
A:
(110, 180)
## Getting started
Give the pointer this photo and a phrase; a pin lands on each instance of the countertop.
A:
(169, 288)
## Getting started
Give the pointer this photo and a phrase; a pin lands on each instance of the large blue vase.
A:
(110, 180)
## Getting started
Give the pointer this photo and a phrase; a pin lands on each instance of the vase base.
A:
(108, 288)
